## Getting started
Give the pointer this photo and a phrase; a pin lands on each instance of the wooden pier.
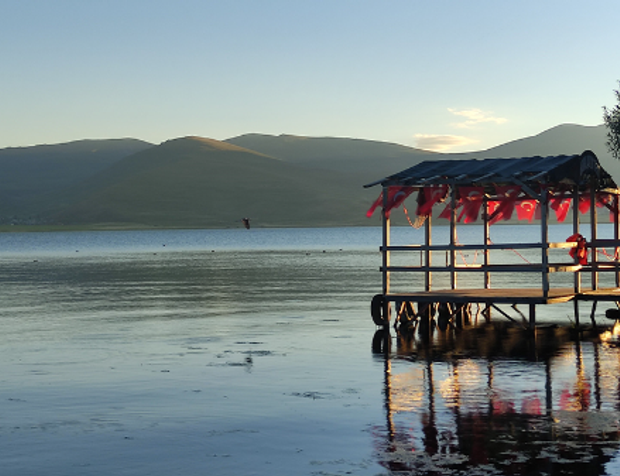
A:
(534, 189)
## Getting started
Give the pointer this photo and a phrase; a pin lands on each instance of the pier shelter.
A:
(540, 190)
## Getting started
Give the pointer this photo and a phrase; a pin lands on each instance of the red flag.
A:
(526, 209)
(604, 199)
(447, 212)
(561, 204)
(491, 207)
(471, 198)
(584, 202)
(507, 198)
(612, 209)
(429, 196)
(396, 196)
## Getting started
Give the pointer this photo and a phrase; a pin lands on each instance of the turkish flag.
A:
(584, 203)
(526, 209)
(396, 196)
(471, 198)
(429, 196)
(507, 198)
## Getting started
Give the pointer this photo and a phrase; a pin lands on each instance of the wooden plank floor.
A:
(507, 296)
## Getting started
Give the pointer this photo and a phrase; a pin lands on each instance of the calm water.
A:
(253, 352)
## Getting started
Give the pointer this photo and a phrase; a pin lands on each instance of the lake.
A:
(253, 352)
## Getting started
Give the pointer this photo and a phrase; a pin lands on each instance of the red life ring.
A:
(580, 252)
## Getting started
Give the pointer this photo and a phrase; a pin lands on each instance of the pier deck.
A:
(506, 296)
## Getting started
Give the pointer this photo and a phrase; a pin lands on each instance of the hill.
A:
(198, 182)
(562, 139)
(27, 173)
(364, 160)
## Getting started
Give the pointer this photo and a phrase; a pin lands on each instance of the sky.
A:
(445, 75)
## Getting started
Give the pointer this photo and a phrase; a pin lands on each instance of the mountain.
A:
(198, 182)
(563, 139)
(27, 173)
(364, 160)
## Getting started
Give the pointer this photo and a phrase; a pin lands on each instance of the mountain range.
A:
(196, 182)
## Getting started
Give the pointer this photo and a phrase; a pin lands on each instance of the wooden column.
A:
(577, 276)
(452, 260)
(386, 243)
(428, 258)
(544, 239)
(532, 316)
(593, 238)
(487, 238)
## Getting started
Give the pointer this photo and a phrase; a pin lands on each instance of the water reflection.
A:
(495, 399)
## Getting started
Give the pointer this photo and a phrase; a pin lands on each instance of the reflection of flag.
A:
(471, 198)
(396, 196)
(507, 198)
(429, 196)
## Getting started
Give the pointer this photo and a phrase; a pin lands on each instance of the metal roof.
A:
(579, 169)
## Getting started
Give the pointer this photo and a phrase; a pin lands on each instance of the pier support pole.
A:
(576, 307)
(593, 238)
(577, 279)
(386, 254)
(532, 316)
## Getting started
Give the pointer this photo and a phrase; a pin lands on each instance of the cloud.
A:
(474, 117)
(441, 143)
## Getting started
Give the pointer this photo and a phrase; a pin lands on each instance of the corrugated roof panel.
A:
(569, 169)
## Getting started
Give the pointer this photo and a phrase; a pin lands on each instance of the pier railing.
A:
(428, 252)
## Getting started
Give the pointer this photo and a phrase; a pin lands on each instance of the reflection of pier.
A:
(532, 188)
(500, 398)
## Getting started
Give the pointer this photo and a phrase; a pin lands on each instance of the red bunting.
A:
(613, 209)
(604, 199)
(471, 198)
(584, 203)
(560, 204)
(396, 196)
(507, 198)
(526, 209)
(429, 196)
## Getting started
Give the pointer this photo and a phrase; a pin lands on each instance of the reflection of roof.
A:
(581, 169)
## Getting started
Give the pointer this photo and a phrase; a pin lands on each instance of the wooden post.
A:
(487, 238)
(428, 279)
(453, 237)
(386, 242)
(544, 238)
(532, 316)
(577, 275)
(593, 238)
(386, 254)
(576, 310)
